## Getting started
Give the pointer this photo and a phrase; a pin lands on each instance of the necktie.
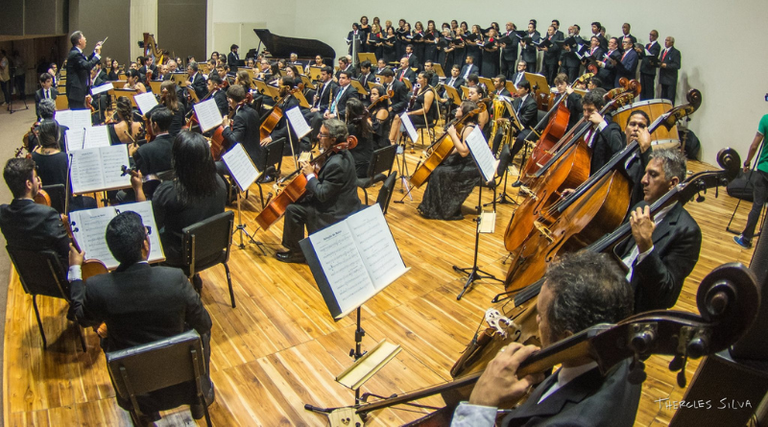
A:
(665, 55)
(335, 101)
(467, 73)
(625, 54)
(47, 94)
(589, 137)
(451, 82)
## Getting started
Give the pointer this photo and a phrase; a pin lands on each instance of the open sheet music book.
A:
(89, 228)
(208, 115)
(102, 88)
(241, 167)
(353, 260)
(73, 119)
(99, 169)
(480, 151)
(145, 101)
(92, 137)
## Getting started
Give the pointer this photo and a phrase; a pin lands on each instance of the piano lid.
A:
(282, 47)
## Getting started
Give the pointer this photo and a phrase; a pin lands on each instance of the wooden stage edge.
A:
(280, 348)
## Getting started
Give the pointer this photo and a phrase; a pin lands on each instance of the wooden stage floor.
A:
(280, 348)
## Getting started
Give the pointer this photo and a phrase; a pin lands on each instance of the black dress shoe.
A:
(290, 256)
(197, 282)
(268, 178)
(517, 183)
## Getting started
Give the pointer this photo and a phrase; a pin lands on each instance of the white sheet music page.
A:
(409, 127)
(89, 228)
(377, 246)
(208, 114)
(101, 88)
(478, 146)
(96, 137)
(86, 171)
(299, 124)
(145, 101)
(241, 166)
(148, 218)
(343, 267)
(112, 159)
(73, 119)
(75, 139)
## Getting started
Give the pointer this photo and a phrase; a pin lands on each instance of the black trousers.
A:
(572, 72)
(669, 92)
(760, 192)
(647, 86)
(76, 104)
(296, 216)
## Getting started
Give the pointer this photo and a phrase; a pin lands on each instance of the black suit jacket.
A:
(472, 70)
(233, 61)
(668, 75)
(528, 53)
(645, 65)
(413, 62)
(627, 67)
(552, 54)
(39, 96)
(78, 72)
(28, 225)
(527, 112)
(198, 85)
(399, 99)
(514, 77)
(245, 130)
(221, 101)
(341, 102)
(364, 79)
(334, 192)
(589, 400)
(327, 94)
(658, 279)
(509, 53)
(605, 144)
(401, 74)
(155, 156)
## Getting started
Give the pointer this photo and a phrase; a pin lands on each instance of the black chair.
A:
(385, 194)
(146, 368)
(380, 167)
(215, 235)
(273, 162)
(41, 273)
(58, 195)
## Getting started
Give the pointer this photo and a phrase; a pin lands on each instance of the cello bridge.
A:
(544, 231)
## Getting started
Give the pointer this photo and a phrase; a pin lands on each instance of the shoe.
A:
(197, 410)
(268, 178)
(197, 282)
(291, 257)
(517, 183)
(741, 241)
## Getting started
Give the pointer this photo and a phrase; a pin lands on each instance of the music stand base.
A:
(473, 273)
(241, 228)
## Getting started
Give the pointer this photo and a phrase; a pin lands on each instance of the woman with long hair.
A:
(169, 98)
(359, 126)
(133, 82)
(126, 129)
(114, 71)
(380, 117)
(423, 111)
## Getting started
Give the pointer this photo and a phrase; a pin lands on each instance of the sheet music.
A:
(409, 127)
(298, 122)
(208, 114)
(97, 136)
(73, 119)
(241, 166)
(88, 227)
(112, 159)
(148, 218)
(145, 101)
(102, 88)
(343, 267)
(377, 246)
(74, 139)
(86, 172)
(484, 159)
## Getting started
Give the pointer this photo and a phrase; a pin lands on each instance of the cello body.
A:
(556, 128)
(276, 208)
(599, 212)
(270, 122)
(442, 149)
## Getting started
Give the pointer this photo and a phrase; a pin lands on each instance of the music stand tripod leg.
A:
(241, 227)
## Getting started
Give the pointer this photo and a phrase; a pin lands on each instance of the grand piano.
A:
(282, 47)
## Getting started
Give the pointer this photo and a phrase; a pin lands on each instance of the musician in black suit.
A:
(338, 104)
(663, 249)
(282, 129)
(332, 192)
(580, 290)
(365, 77)
(627, 66)
(670, 63)
(46, 91)
(625, 28)
(233, 59)
(596, 32)
(141, 304)
(429, 68)
(78, 70)
(196, 80)
(413, 60)
(509, 50)
(569, 62)
(405, 71)
(519, 75)
(324, 96)
(26, 224)
(469, 68)
(549, 64)
(148, 65)
(399, 99)
(455, 82)
(525, 108)
(572, 101)
(528, 53)
(155, 156)
(214, 92)
(647, 70)
(607, 64)
(243, 127)
(604, 137)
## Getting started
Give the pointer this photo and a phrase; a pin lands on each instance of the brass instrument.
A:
(498, 111)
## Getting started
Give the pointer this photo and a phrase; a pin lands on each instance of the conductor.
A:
(79, 70)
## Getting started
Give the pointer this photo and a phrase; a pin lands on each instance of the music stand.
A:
(486, 81)
(453, 94)
(12, 82)
(314, 73)
(358, 87)
(244, 173)
(365, 56)
(438, 69)
(539, 87)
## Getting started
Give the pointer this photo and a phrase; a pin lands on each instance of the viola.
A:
(379, 100)
(296, 189)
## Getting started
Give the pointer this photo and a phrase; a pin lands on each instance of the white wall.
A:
(721, 42)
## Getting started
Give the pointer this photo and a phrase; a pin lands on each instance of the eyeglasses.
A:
(323, 135)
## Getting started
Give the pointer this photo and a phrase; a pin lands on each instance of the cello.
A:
(727, 299)
(296, 189)
(440, 149)
(570, 169)
(275, 115)
(596, 207)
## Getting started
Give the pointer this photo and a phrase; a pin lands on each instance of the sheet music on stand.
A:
(480, 151)
(89, 229)
(145, 101)
(241, 167)
(73, 119)
(406, 120)
(299, 124)
(208, 115)
(99, 169)
(101, 88)
(353, 260)
(92, 137)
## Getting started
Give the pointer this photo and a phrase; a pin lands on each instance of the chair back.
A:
(157, 365)
(385, 193)
(40, 272)
(206, 243)
(58, 195)
(381, 162)
(273, 156)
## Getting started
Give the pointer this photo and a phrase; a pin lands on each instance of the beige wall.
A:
(720, 42)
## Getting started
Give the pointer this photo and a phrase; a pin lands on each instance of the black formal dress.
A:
(78, 77)
(430, 48)
(380, 127)
(389, 52)
(171, 216)
(448, 187)
(28, 225)
(140, 305)
(490, 58)
(332, 196)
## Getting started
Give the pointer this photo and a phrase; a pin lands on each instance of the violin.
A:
(380, 99)
(414, 95)
(727, 299)
(296, 189)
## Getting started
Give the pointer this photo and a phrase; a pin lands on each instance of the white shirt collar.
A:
(566, 375)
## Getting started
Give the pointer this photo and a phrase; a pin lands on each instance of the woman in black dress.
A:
(423, 110)
(114, 71)
(490, 52)
(419, 44)
(430, 42)
(472, 47)
(374, 41)
(366, 29)
(446, 49)
(358, 126)
(452, 182)
(380, 117)
(389, 51)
